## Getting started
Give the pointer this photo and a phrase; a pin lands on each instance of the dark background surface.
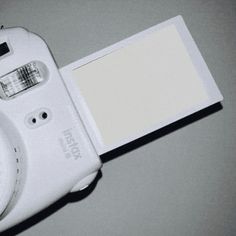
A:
(179, 184)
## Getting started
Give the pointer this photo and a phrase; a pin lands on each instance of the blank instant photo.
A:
(140, 84)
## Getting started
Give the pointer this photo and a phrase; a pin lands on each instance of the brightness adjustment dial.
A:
(7, 171)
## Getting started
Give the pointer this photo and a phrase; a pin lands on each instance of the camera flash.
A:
(22, 79)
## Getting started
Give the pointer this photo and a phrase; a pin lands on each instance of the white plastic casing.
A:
(41, 162)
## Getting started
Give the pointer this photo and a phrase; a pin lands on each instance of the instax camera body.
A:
(54, 123)
(45, 151)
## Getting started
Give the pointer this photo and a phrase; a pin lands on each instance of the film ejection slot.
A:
(22, 79)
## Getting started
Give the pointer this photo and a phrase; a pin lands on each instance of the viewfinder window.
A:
(4, 49)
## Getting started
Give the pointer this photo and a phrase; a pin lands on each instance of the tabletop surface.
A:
(180, 181)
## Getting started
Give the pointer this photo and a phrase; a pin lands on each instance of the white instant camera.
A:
(55, 123)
